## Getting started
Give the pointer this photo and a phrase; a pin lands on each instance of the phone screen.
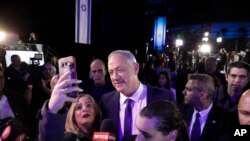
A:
(65, 64)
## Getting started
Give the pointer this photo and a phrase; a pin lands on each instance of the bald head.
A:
(244, 108)
(98, 71)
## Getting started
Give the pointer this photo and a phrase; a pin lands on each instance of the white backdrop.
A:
(24, 55)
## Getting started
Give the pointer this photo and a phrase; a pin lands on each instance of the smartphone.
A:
(65, 64)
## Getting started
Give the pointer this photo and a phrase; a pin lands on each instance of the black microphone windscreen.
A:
(107, 125)
(69, 136)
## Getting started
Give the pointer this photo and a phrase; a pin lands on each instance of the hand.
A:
(53, 81)
(26, 77)
(45, 87)
(63, 85)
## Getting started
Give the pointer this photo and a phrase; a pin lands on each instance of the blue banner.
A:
(160, 33)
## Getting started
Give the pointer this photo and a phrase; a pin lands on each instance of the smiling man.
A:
(123, 105)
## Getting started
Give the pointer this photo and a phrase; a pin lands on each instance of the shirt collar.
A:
(204, 112)
(135, 97)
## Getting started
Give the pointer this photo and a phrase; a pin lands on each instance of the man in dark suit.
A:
(123, 105)
(206, 121)
(97, 84)
(11, 103)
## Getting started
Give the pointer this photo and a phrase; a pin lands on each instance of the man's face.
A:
(210, 66)
(98, 73)
(48, 71)
(237, 79)
(147, 130)
(1, 81)
(191, 93)
(244, 110)
(16, 61)
(122, 74)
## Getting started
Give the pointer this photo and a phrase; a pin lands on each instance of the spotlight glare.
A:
(205, 39)
(179, 42)
(206, 34)
(205, 48)
(2, 35)
(219, 39)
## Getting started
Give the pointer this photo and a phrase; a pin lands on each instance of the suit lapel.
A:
(115, 108)
(150, 97)
(189, 114)
(211, 123)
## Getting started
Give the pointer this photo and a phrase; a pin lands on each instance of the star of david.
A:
(83, 7)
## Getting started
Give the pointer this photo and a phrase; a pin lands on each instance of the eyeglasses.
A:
(87, 106)
(235, 76)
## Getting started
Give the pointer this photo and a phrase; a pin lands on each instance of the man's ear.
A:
(105, 71)
(172, 135)
(204, 94)
(226, 76)
(136, 67)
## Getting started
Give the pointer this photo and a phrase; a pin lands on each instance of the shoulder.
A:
(218, 110)
(109, 97)
(158, 93)
(13, 95)
(157, 90)
(109, 94)
(185, 108)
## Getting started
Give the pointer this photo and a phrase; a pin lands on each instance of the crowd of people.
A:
(150, 102)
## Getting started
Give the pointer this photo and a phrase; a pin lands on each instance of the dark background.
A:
(116, 24)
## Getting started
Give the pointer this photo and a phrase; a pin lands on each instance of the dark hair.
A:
(238, 64)
(167, 85)
(168, 118)
(14, 56)
(204, 82)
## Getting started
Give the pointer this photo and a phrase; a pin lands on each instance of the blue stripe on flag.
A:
(83, 21)
(78, 21)
(87, 30)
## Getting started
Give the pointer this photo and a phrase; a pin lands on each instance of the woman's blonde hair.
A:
(71, 125)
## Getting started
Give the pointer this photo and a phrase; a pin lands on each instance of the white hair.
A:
(128, 54)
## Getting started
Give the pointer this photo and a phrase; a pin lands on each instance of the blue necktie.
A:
(128, 118)
(196, 131)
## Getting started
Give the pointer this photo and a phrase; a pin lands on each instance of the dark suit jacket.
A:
(217, 127)
(109, 103)
(18, 105)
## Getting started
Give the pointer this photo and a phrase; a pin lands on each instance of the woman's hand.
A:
(62, 86)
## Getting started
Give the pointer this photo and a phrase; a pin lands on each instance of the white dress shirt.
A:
(139, 101)
(203, 118)
(5, 109)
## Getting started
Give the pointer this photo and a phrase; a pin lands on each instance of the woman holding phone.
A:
(59, 123)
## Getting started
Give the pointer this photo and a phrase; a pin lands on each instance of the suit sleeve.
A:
(51, 126)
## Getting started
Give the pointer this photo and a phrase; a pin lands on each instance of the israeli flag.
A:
(160, 33)
(83, 21)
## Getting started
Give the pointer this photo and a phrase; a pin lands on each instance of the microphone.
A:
(69, 136)
(12, 130)
(107, 131)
